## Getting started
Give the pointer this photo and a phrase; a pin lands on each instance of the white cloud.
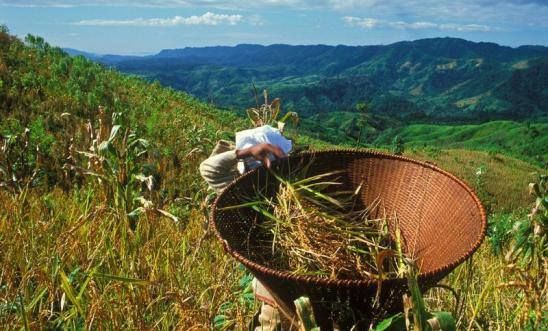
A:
(367, 23)
(208, 18)
(349, 4)
(255, 20)
(372, 23)
(417, 25)
(466, 27)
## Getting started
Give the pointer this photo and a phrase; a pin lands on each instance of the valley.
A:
(366, 95)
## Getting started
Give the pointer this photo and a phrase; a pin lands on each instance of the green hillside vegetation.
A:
(439, 79)
(69, 258)
(102, 225)
(43, 89)
(424, 82)
(526, 141)
(484, 171)
(522, 140)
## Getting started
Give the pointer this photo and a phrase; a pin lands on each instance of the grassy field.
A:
(501, 182)
(521, 140)
(102, 225)
(71, 260)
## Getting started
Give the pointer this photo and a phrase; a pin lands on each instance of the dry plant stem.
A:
(317, 229)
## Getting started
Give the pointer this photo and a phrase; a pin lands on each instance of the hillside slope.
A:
(44, 89)
(525, 141)
(72, 256)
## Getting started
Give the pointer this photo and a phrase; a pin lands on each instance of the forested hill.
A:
(439, 79)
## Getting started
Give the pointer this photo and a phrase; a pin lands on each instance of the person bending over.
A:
(225, 164)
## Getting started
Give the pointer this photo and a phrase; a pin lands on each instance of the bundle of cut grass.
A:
(316, 228)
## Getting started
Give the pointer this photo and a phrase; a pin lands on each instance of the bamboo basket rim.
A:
(322, 281)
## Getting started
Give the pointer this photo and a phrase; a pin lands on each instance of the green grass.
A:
(503, 183)
(525, 141)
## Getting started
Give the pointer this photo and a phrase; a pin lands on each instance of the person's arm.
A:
(261, 152)
(219, 170)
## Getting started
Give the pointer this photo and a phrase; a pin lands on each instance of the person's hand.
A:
(261, 152)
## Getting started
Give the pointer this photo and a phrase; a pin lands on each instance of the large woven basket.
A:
(442, 220)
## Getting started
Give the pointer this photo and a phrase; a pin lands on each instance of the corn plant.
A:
(19, 167)
(499, 231)
(398, 146)
(116, 158)
(527, 258)
(268, 113)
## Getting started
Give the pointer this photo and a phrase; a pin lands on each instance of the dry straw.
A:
(315, 227)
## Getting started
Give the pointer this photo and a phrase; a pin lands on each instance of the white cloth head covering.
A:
(262, 134)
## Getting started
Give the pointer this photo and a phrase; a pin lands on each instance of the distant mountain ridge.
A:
(438, 47)
(103, 58)
(437, 79)
(281, 54)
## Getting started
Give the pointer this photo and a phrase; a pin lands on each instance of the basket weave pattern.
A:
(441, 219)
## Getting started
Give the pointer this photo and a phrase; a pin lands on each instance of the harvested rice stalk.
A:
(319, 229)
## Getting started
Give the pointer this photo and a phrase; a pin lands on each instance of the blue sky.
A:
(145, 27)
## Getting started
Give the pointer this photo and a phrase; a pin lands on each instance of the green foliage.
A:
(19, 166)
(399, 85)
(499, 232)
(441, 79)
(527, 256)
(363, 109)
(393, 323)
(422, 319)
(397, 145)
(416, 316)
(510, 138)
(65, 247)
(55, 96)
(117, 160)
(41, 137)
(243, 296)
(529, 240)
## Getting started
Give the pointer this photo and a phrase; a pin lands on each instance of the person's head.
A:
(265, 143)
